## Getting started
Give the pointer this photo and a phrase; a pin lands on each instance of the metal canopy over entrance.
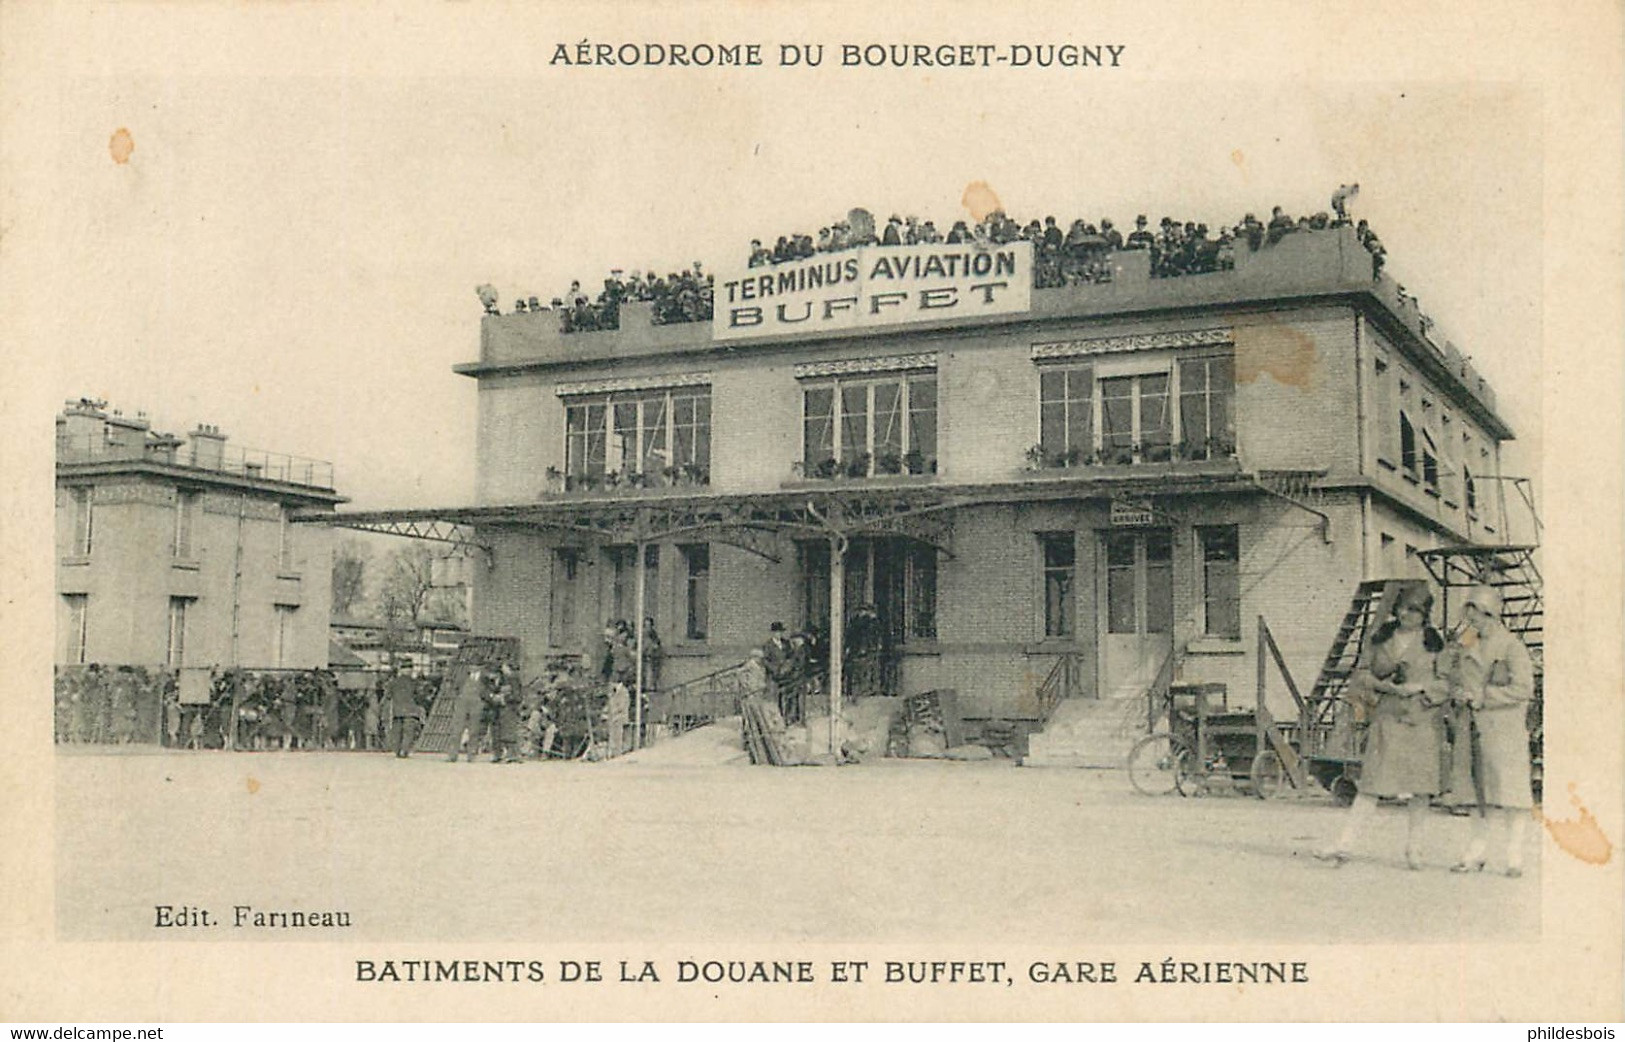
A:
(917, 511)
(766, 524)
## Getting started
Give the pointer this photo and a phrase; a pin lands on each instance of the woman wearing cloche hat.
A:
(1494, 676)
(1396, 680)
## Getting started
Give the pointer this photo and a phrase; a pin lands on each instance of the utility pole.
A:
(236, 619)
(837, 637)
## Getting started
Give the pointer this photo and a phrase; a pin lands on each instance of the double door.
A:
(1135, 595)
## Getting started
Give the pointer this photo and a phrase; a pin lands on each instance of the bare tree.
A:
(404, 595)
(350, 559)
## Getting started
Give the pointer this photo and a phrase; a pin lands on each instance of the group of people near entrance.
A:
(790, 667)
(617, 667)
(1445, 715)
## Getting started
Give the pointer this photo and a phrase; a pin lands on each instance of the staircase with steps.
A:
(1088, 732)
(1091, 732)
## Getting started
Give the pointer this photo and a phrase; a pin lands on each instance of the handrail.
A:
(1290, 758)
(708, 696)
(1156, 696)
(1058, 684)
(239, 460)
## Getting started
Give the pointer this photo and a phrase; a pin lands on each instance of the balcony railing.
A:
(235, 460)
(1212, 450)
(632, 482)
(865, 465)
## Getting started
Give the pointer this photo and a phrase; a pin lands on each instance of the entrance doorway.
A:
(1135, 586)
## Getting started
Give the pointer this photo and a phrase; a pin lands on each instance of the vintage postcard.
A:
(961, 512)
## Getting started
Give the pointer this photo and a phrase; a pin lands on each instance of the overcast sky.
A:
(290, 252)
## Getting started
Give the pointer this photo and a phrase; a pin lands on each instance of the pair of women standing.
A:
(1407, 678)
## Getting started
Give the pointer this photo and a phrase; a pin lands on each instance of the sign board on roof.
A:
(874, 286)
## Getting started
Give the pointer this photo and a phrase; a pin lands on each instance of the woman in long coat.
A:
(1494, 676)
(1397, 680)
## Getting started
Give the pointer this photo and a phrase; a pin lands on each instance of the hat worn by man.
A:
(777, 627)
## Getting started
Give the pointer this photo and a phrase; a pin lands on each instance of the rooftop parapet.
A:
(1302, 264)
(86, 434)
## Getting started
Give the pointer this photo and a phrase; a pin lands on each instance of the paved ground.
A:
(890, 851)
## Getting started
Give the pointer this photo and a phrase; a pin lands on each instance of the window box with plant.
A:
(1179, 411)
(637, 440)
(869, 426)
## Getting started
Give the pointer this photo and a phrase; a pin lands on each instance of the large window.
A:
(623, 582)
(283, 638)
(864, 426)
(185, 518)
(177, 632)
(78, 614)
(813, 562)
(1136, 424)
(897, 577)
(284, 554)
(1207, 392)
(1183, 409)
(1382, 385)
(652, 438)
(1060, 583)
(84, 521)
(1449, 463)
(1140, 582)
(1220, 547)
(921, 604)
(697, 591)
(1407, 447)
(561, 612)
(1066, 414)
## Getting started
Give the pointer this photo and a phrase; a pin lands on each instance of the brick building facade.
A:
(1128, 472)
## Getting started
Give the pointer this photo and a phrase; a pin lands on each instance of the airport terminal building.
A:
(1117, 477)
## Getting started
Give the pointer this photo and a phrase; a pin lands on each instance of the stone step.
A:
(1087, 733)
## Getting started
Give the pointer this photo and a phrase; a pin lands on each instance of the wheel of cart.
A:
(1158, 763)
(1270, 777)
(1205, 741)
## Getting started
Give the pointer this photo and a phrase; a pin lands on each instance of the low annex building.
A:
(1123, 474)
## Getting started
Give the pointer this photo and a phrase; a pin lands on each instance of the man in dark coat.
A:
(405, 717)
(780, 660)
(504, 697)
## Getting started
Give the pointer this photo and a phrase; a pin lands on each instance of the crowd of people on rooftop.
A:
(684, 296)
(1078, 255)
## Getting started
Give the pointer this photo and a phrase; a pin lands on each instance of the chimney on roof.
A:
(80, 428)
(208, 446)
(163, 447)
(127, 436)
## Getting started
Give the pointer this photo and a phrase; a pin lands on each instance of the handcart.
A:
(1206, 747)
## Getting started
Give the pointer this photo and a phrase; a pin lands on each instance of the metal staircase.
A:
(473, 651)
(1511, 571)
(1367, 609)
